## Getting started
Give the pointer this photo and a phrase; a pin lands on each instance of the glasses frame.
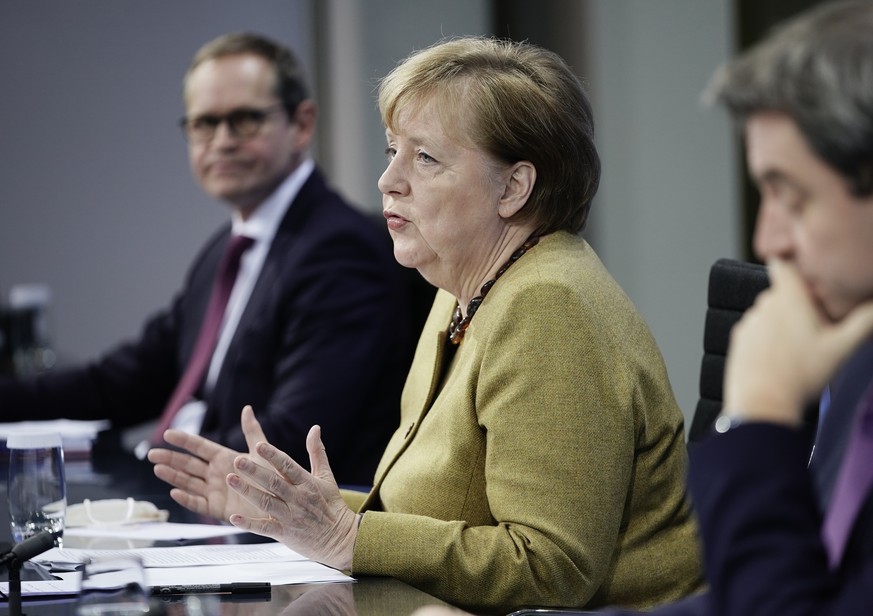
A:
(232, 119)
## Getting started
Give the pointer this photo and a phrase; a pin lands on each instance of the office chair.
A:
(733, 287)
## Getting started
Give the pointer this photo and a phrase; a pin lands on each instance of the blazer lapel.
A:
(422, 384)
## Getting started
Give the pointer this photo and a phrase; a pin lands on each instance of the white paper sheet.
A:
(76, 435)
(154, 531)
(276, 573)
(69, 428)
(184, 556)
(297, 572)
(68, 585)
(190, 565)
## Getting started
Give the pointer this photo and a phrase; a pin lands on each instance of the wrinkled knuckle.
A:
(275, 484)
(265, 501)
(291, 474)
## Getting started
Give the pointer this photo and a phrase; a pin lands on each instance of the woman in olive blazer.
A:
(540, 458)
(548, 467)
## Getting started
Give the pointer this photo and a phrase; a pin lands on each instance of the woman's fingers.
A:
(318, 461)
(280, 462)
(181, 480)
(254, 492)
(179, 461)
(268, 527)
(286, 502)
(180, 470)
(251, 428)
(197, 504)
(193, 443)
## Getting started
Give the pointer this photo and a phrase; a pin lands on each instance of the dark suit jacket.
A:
(761, 527)
(323, 340)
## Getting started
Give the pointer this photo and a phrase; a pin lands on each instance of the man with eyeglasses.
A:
(314, 330)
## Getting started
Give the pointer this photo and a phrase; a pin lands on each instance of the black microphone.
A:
(27, 549)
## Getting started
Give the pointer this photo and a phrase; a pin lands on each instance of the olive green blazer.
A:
(542, 462)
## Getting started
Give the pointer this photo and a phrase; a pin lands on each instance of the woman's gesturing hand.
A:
(199, 471)
(303, 510)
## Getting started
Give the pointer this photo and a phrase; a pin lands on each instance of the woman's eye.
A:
(426, 158)
(390, 153)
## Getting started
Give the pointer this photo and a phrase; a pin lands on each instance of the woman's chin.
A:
(408, 256)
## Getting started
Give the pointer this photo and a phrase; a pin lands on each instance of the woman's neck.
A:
(508, 244)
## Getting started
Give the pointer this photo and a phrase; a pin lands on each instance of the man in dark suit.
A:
(316, 327)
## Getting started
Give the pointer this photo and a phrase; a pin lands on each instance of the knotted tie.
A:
(208, 336)
(854, 481)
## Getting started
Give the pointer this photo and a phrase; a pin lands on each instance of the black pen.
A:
(237, 588)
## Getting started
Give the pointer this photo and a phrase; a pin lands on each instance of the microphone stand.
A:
(14, 569)
(16, 557)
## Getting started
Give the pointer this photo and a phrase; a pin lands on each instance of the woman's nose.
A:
(391, 180)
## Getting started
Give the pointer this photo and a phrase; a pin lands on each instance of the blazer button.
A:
(409, 430)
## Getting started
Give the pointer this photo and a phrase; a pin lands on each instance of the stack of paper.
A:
(76, 436)
(193, 565)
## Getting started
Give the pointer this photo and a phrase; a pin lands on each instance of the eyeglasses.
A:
(243, 123)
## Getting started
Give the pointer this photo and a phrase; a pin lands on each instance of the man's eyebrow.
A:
(777, 179)
(777, 176)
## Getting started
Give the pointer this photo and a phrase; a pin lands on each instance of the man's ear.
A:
(519, 185)
(303, 121)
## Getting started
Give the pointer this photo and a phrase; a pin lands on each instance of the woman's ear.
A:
(519, 185)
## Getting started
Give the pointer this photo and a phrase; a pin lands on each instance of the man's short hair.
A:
(818, 70)
(290, 82)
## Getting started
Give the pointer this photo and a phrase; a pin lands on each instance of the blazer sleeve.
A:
(761, 524)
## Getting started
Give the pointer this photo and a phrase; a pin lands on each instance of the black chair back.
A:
(733, 287)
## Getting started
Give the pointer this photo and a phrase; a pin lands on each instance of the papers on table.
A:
(154, 531)
(68, 585)
(189, 565)
(77, 436)
(185, 555)
(296, 572)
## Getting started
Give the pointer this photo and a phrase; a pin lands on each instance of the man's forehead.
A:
(775, 145)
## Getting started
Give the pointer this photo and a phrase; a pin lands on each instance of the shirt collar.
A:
(264, 220)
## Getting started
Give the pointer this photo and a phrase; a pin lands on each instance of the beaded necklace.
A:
(458, 326)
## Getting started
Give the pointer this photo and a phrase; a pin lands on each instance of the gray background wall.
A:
(97, 201)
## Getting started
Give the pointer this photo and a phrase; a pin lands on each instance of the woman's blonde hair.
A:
(515, 101)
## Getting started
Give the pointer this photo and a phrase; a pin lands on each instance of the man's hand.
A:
(784, 350)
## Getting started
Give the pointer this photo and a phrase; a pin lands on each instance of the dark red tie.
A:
(208, 336)
(854, 481)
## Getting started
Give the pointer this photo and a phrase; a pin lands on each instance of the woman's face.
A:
(440, 199)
